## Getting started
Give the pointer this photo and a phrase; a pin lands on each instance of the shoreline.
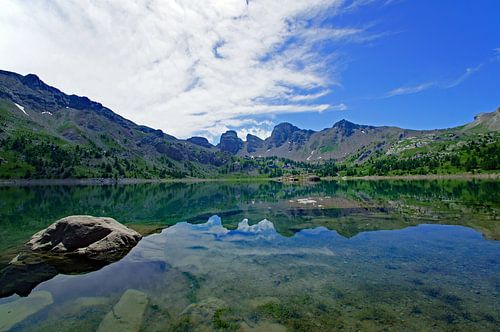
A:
(109, 181)
(461, 176)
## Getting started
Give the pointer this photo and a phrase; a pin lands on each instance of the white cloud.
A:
(406, 90)
(339, 107)
(259, 131)
(459, 80)
(311, 96)
(242, 127)
(183, 66)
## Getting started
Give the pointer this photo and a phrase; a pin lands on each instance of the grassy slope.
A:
(54, 146)
(82, 144)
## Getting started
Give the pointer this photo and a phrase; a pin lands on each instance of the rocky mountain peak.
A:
(486, 121)
(230, 142)
(254, 143)
(283, 133)
(346, 127)
(33, 81)
(254, 138)
(200, 141)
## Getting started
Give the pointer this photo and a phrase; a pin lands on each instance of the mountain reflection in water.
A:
(198, 275)
(352, 255)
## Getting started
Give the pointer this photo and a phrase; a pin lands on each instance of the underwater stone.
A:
(203, 312)
(263, 327)
(16, 311)
(262, 300)
(127, 314)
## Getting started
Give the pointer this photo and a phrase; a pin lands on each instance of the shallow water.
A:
(359, 255)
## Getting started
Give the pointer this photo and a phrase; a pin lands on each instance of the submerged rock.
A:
(127, 314)
(75, 244)
(262, 300)
(204, 311)
(16, 311)
(263, 327)
(91, 237)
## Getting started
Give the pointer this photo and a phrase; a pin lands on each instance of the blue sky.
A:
(201, 68)
(449, 50)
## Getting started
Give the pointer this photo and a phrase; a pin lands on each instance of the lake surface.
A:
(350, 255)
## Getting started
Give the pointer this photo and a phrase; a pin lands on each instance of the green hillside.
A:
(46, 134)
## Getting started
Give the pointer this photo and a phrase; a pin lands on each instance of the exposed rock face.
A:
(90, 237)
(229, 142)
(281, 133)
(485, 121)
(286, 132)
(200, 141)
(346, 128)
(254, 143)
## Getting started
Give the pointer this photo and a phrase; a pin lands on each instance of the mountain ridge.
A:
(42, 115)
(45, 133)
(344, 138)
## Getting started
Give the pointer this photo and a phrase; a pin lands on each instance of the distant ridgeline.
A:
(45, 133)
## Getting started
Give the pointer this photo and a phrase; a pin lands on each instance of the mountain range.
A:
(47, 133)
(343, 140)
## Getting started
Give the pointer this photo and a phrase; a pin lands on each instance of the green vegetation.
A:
(301, 313)
(30, 155)
(224, 320)
(266, 167)
(59, 148)
(471, 153)
(449, 155)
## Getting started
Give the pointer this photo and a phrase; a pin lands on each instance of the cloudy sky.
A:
(202, 67)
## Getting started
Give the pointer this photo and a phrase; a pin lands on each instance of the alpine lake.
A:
(268, 256)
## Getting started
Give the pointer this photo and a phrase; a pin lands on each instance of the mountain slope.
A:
(484, 122)
(46, 133)
(346, 141)
(338, 142)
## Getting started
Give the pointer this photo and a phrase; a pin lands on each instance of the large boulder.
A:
(75, 244)
(95, 238)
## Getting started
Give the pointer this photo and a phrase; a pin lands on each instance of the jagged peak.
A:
(253, 137)
(284, 129)
(230, 133)
(200, 141)
(34, 82)
(345, 123)
(230, 142)
(286, 125)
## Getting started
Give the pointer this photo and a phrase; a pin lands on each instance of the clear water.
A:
(387, 255)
